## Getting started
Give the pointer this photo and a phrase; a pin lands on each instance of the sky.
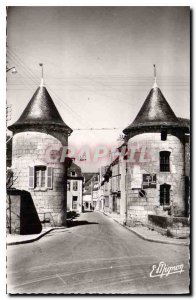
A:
(98, 64)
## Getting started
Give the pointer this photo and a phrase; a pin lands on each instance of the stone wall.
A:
(178, 227)
(31, 149)
(22, 217)
(138, 207)
(13, 214)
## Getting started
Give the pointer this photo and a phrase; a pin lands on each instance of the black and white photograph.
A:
(98, 123)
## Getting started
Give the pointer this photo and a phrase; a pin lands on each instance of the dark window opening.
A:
(114, 202)
(165, 161)
(74, 204)
(163, 135)
(165, 194)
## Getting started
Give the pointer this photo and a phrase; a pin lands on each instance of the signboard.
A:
(149, 181)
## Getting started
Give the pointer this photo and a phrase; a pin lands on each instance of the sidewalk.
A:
(149, 235)
(15, 239)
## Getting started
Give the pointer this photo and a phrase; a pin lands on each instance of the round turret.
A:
(39, 133)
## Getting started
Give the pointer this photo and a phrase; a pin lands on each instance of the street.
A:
(97, 255)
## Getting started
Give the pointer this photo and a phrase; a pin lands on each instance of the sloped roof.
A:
(154, 112)
(185, 122)
(89, 176)
(40, 110)
(75, 168)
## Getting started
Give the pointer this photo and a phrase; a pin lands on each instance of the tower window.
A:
(165, 194)
(165, 161)
(40, 177)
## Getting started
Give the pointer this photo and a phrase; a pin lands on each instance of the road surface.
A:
(97, 255)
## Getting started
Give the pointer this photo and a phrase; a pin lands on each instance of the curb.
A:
(156, 240)
(149, 239)
(33, 239)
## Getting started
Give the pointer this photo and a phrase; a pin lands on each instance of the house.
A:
(74, 188)
(101, 199)
(38, 137)
(90, 190)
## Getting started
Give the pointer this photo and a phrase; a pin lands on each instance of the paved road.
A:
(97, 255)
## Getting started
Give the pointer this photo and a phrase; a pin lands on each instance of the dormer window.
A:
(73, 173)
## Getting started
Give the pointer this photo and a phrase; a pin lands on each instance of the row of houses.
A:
(82, 189)
(148, 175)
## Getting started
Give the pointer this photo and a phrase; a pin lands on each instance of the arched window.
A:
(165, 194)
(164, 161)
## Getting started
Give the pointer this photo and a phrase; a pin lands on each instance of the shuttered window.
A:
(40, 177)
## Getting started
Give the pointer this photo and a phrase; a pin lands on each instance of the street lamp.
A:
(14, 71)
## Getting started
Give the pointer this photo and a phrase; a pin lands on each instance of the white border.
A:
(3, 5)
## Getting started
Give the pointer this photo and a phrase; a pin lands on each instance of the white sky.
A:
(98, 63)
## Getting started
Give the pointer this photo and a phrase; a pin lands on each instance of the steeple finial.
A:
(42, 78)
(155, 77)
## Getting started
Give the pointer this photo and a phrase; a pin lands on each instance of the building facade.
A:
(90, 191)
(38, 137)
(74, 188)
(148, 177)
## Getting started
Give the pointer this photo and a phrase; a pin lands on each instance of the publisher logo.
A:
(165, 270)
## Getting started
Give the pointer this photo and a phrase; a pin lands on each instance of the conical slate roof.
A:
(40, 111)
(154, 112)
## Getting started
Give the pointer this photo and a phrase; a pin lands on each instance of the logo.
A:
(164, 270)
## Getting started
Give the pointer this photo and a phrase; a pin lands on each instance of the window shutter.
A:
(31, 177)
(49, 177)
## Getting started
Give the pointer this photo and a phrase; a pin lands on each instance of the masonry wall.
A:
(29, 150)
(21, 215)
(138, 207)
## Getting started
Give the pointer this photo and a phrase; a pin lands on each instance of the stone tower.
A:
(39, 131)
(156, 178)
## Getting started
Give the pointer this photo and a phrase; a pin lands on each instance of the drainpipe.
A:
(126, 202)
